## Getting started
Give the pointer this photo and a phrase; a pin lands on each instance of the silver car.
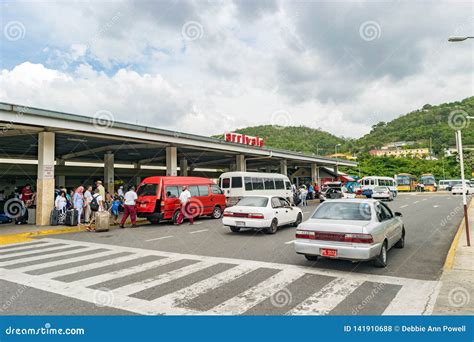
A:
(352, 229)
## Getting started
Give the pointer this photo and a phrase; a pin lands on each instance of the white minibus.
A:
(370, 182)
(239, 184)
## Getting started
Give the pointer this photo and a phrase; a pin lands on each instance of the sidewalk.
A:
(456, 296)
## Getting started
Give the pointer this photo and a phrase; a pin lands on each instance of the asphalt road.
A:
(206, 269)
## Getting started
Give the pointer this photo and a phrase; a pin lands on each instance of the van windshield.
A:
(148, 190)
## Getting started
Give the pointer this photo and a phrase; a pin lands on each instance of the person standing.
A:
(101, 189)
(78, 202)
(130, 199)
(97, 204)
(87, 204)
(120, 192)
(60, 202)
(185, 207)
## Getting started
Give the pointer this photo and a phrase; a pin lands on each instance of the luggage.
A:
(102, 221)
(5, 218)
(57, 217)
(31, 216)
(72, 217)
(23, 218)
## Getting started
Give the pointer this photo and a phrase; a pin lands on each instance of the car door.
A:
(287, 211)
(393, 225)
(383, 228)
(278, 210)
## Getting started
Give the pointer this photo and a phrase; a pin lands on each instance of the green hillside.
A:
(421, 125)
(300, 139)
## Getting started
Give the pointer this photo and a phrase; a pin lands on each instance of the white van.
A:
(239, 184)
(370, 182)
(447, 184)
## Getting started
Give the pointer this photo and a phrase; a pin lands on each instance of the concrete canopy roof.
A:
(82, 138)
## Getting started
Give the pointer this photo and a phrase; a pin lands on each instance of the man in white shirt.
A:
(87, 204)
(129, 207)
(185, 208)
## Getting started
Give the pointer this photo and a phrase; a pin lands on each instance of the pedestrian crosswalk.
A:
(162, 283)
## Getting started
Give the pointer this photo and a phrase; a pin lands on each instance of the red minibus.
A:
(158, 198)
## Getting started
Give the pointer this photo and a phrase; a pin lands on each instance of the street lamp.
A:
(461, 155)
(335, 149)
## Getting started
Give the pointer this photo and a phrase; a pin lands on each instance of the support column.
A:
(109, 172)
(268, 169)
(183, 167)
(137, 178)
(284, 167)
(240, 164)
(171, 161)
(45, 180)
(336, 170)
(314, 172)
(60, 179)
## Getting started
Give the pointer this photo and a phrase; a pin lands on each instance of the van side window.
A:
(203, 190)
(225, 183)
(257, 183)
(279, 184)
(236, 182)
(216, 190)
(288, 185)
(248, 184)
(172, 192)
(269, 184)
(194, 190)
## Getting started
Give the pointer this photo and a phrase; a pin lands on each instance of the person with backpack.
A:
(97, 204)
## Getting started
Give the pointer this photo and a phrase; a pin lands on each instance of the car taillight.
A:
(228, 213)
(358, 238)
(304, 234)
(255, 216)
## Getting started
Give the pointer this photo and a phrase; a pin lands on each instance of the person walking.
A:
(303, 195)
(130, 199)
(87, 204)
(97, 204)
(78, 202)
(185, 207)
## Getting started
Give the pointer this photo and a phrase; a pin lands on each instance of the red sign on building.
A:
(244, 139)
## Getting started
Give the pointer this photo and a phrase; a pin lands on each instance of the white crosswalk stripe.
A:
(171, 281)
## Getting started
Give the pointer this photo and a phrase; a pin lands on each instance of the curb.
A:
(449, 262)
(28, 236)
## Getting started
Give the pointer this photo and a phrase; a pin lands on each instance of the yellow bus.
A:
(405, 182)
(429, 182)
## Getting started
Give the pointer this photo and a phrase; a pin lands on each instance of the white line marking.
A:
(416, 202)
(327, 298)
(160, 238)
(290, 242)
(247, 299)
(199, 231)
(404, 206)
(411, 300)
(435, 206)
(162, 278)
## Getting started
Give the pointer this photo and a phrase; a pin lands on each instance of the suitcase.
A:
(72, 217)
(57, 217)
(31, 216)
(102, 221)
(5, 218)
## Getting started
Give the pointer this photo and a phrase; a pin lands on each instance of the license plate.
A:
(143, 205)
(240, 223)
(332, 253)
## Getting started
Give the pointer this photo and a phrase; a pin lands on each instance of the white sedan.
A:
(383, 193)
(352, 229)
(457, 189)
(262, 212)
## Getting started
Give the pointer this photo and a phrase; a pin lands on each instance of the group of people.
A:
(26, 195)
(304, 192)
(89, 200)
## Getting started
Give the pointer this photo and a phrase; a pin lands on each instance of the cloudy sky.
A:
(211, 66)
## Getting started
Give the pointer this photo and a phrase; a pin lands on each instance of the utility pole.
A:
(464, 196)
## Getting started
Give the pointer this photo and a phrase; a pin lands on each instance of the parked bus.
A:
(405, 182)
(447, 184)
(429, 182)
(239, 184)
(370, 182)
(158, 198)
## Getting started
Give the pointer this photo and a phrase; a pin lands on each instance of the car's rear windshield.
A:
(147, 190)
(343, 211)
(253, 202)
(380, 188)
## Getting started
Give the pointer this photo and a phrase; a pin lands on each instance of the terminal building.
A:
(50, 149)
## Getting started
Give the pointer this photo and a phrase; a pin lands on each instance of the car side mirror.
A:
(398, 214)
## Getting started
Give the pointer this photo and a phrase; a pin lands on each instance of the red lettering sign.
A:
(244, 139)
